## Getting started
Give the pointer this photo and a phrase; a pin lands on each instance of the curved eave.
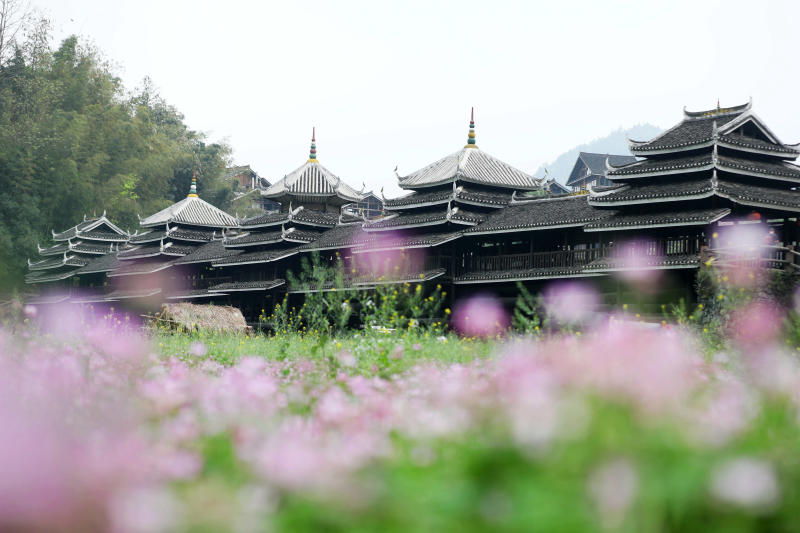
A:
(650, 200)
(641, 148)
(737, 199)
(406, 226)
(416, 205)
(721, 165)
(256, 261)
(139, 273)
(791, 154)
(366, 250)
(719, 112)
(541, 227)
(663, 172)
(627, 227)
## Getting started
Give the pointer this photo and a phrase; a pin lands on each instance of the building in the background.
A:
(150, 268)
(247, 184)
(95, 240)
(590, 169)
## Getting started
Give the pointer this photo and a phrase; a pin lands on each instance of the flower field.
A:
(617, 427)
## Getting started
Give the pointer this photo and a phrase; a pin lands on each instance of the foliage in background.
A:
(74, 142)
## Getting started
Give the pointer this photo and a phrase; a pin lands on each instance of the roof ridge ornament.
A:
(193, 188)
(312, 154)
(471, 135)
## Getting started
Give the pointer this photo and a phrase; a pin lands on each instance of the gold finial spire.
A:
(312, 155)
(471, 136)
(193, 188)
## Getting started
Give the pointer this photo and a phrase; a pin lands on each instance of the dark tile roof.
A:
(150, 236)
(89, 248)
(46, 276)
(395, 242)
(758, 144)
(767, 168)
(264, 256)
(757, 195)
(193, 235)
(254, 238)
(266, 219)
(46, 264)
(103, 263)
(236, 286)
(658, 218)
(419, 198)
(688, 132)
(465, 195)
(131, 268)
(194, 294)
(87, 226)
(103, 236)
(345, 236)
(674, 188)
(429, 218)
(652, 166)
(207, 253)
(124, 294)
(545, 213)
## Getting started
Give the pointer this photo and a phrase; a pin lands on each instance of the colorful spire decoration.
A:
(312, 156)
(193, 188)
(471, 136)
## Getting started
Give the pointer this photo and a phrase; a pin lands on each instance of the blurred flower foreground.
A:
(623, 428)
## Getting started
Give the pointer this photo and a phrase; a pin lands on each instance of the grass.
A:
(374, 353)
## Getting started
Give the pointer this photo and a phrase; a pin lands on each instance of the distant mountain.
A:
(613, 143)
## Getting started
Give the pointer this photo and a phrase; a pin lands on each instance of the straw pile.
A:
(192, 317)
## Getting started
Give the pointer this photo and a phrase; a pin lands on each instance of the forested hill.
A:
(74, 141)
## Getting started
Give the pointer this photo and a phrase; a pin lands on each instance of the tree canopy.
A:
(74, 142)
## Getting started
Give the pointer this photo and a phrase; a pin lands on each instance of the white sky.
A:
(391, 83)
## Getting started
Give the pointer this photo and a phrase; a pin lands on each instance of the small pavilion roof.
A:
(312, 181)
(470, 164)
(96, 228)
(192, 211)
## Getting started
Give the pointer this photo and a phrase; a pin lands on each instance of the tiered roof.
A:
(92, 240)
(273, 237)
(447, 198)
(590, 167)
(724, 153)
(172, 234)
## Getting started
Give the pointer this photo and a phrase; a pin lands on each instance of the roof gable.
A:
(312, 179)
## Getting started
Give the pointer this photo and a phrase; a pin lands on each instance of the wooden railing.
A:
(773, 257)
(555, 259)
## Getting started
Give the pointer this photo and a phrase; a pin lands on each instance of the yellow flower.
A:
(447, 311)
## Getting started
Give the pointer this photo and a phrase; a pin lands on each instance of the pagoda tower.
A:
(150, 267)
(446, 198)
(252, 264)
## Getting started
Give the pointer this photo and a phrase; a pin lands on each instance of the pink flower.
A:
(480, 316)
(571, 301)
(746, 482)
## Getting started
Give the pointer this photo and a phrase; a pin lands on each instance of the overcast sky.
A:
(391, 83)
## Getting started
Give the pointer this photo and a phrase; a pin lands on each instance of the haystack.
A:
(192, 317)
